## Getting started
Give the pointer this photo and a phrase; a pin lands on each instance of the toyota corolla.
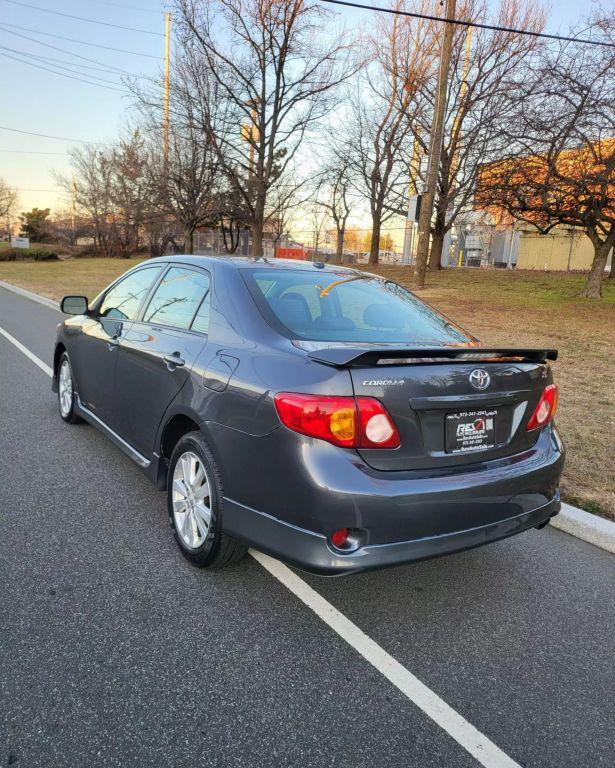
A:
(321, 414)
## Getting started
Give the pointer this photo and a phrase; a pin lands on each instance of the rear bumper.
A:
(312, 552)
(403, 517)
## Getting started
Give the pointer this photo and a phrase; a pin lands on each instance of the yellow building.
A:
(561, 250)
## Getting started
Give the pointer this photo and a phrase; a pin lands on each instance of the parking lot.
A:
(116, 652)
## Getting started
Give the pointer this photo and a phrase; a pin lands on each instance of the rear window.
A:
(345, 306)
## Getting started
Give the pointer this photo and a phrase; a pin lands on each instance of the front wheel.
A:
(194, 498)
(66, 391)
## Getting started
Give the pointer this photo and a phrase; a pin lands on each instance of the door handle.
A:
(113, 343)
(174, 361)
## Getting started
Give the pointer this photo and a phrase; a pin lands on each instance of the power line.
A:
(124, 7)
(83, 18)
(79, 42)
(50, 61)
(30, 152)
(47, 136)
(26, 189)
(58, 62)
(461, 23)
(68, 53)
(71, 77)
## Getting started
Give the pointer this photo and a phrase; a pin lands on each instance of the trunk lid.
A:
(452, 407)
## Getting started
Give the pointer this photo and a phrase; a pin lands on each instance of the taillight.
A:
(361, 422)
(545, 410)
(376, 428)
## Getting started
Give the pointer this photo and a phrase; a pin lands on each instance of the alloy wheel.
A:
(65, 389)
(191, 500)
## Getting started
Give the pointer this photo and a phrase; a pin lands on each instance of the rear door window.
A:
(178, 297)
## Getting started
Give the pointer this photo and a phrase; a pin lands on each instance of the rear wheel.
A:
(194, 498)
(66, 391)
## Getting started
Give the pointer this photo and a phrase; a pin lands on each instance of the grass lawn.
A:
(500, 307)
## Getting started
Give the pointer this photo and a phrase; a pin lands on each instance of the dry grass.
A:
(500, 307)
(55, 279)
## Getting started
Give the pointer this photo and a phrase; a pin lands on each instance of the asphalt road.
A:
(114, 651)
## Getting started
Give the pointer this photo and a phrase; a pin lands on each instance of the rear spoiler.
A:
(356, 357)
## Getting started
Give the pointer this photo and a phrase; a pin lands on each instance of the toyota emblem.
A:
(480, 379)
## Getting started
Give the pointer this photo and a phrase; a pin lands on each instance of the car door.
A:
(158, 352)
(97, 345)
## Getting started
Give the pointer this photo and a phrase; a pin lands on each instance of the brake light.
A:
(339, 538)
(545, 410)
(361, 422)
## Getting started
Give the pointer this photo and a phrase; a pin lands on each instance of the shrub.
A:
(27, 254)
(89, 251)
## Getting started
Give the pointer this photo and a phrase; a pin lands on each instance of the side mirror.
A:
(74, 305)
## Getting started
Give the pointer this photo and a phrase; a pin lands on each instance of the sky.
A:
(37, 100)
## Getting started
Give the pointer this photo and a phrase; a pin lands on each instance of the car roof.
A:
(249, 262)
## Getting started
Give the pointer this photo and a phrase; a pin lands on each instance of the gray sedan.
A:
(321, 414)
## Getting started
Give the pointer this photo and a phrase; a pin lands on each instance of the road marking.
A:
(36, 360)
(463, 732)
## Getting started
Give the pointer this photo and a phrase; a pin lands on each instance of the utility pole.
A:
(435, 149)
(74, 197)
(462, 95)
(167, 57)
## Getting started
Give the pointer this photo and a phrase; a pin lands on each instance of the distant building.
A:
(564, 248)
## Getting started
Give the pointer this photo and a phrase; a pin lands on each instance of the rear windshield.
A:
(345, 306)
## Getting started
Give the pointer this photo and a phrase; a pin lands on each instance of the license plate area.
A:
(471, 430)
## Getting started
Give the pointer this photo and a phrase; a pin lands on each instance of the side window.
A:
(177, 298)
(201, 319)
(122, 302)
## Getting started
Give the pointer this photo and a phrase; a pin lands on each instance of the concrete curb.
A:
(591, 528)
(32, 296)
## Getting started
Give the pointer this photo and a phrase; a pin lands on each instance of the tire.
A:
(66, 391)
(194, 500)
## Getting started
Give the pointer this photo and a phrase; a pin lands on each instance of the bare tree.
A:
(486, 69)
(336, 198)
(109, 186)
(184, 185)
(90, 182)
(8, 202)
(276, 65)
(384, 106)
(317, 218)
(560, 168)
(128, 190)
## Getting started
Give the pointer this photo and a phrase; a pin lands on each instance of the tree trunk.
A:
(189, 240)
(257, 240)
(439, 231)
(374, 248)
(435, 254)
(593, 286)
(339, 246)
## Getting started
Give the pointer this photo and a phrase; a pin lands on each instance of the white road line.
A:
(463, 732)
(36, 360)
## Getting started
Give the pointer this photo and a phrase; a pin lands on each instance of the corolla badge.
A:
(383, 383)
(480, 379)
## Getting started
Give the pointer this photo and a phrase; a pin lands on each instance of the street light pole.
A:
(435, 149)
